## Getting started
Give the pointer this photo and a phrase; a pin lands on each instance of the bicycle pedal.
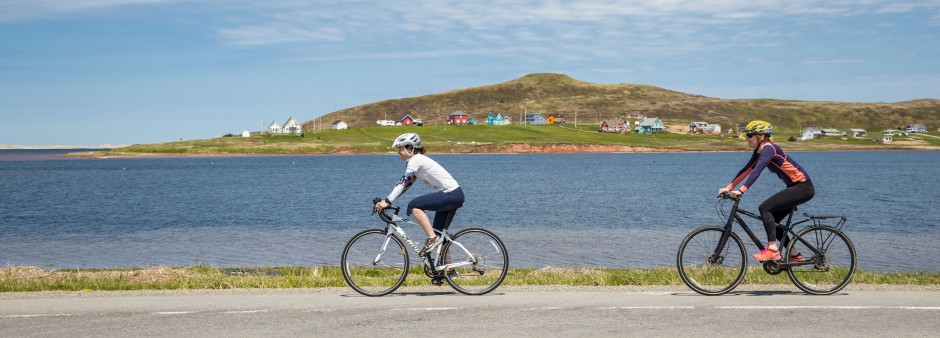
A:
(437, 281)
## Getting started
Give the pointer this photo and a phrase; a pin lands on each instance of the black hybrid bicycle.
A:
(712, 260)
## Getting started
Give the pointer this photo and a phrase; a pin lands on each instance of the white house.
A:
(291, 127)
(339, 125)
(811, 133)
(246, 134)
(856, 132)
(385, 123)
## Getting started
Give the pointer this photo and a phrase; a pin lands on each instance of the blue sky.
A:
(92, 72)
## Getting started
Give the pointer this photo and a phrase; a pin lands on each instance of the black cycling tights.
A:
(775, 208)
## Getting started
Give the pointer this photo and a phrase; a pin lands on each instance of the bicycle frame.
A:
(393, 229)
(735, 216)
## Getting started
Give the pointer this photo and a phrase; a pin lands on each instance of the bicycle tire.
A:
(832, 269)
(707, 275)
(489, 264)
(374, 279)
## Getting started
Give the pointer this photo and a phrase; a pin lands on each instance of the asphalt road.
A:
(526, 312)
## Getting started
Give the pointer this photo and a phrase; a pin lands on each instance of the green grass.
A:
(18, 279)
(488, 139)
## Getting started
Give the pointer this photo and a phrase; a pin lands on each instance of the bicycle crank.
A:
(772, 268)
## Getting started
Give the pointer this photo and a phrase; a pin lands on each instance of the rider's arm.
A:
(766, 154)
(403, 184)
(743, 173)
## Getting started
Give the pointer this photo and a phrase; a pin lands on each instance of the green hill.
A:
(561, 94)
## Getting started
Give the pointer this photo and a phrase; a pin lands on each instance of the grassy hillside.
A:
(557, 93)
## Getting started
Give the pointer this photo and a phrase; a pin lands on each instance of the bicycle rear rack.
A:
(818, 220)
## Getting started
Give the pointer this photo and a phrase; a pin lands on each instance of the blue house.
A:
(650, 125)
(497, 119)
(535, 118)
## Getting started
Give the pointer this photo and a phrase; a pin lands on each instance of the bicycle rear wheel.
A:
(705, 272)
(829, 268)
(374, 263)
(484, 261)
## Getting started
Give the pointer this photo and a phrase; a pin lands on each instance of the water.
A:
(567, 210)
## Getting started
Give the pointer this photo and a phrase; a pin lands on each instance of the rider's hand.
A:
(722, 191)
(736, 194)
(381, 205)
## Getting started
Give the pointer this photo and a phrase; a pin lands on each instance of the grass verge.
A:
(26, 278)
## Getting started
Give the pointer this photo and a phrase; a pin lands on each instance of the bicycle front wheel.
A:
(707, 270)
(480, 261)
(829, 260)
(374, 263)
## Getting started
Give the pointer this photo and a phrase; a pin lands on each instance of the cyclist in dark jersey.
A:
(799, 188)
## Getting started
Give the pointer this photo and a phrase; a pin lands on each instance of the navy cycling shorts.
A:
(442, 203)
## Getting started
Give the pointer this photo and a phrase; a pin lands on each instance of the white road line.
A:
(38, 315)
(426, 309)
(545, 308)
(646, 308)
(174, 313)
(830, 307)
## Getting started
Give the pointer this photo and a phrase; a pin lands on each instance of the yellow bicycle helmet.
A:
(758, 127)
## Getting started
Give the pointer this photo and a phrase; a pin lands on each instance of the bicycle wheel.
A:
(705, 272)
(482, 261)
(374, 264)
(829, 268)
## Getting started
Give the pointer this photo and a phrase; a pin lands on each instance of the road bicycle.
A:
(712, 260)
(375, 262)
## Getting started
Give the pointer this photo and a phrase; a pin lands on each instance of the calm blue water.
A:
(569, 210)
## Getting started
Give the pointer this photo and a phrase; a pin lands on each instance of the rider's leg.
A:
(781, 203)
(422, 219)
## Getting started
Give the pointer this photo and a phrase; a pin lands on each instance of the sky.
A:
(120, 72)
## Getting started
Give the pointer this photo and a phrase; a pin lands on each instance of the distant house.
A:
(855, 132)
(885, 138)
(405, 120)
(535, 118)
(650, 125)
(698, 127)
(810, 133)
(915, 128)
(496, 120)
(831, 132)
(555, 119)
(291, 127)
(339, 125)
(458, 117)
(246, 134)
(507, 120)
(612, 126)
(274, 128)
(385, 123)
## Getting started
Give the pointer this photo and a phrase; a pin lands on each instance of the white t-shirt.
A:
(426, 170)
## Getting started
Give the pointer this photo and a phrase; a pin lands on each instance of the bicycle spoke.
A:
(368, 276)
(485, 261)
(705, 272)
(829, 260)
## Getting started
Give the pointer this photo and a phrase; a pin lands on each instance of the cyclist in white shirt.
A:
(444, 201)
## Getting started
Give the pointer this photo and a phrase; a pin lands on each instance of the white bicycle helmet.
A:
(407, 139)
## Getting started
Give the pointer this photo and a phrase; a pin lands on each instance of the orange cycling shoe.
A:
(798, 258)
(767, 255)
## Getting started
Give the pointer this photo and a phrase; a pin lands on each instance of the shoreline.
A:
(512, 149)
